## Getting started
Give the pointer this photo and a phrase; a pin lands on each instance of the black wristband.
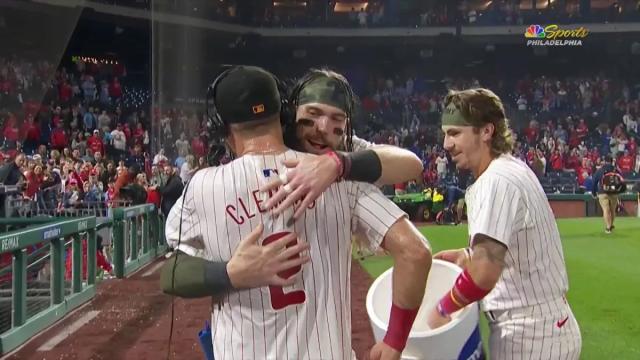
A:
(364, 166)
(193, 277)
(216, 277)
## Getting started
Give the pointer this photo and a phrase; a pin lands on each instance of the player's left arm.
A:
(379, 222)
(411, 266)
(310, 176)
(397, 164)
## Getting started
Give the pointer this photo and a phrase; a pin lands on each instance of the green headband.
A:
(324, 90)
(452, 116)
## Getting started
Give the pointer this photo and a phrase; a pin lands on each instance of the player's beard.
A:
(315, 142)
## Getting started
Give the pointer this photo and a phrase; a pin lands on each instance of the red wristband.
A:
(400, 323)
(463, 293)
(332, 154)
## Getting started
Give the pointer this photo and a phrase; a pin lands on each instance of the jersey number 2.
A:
(279, 298)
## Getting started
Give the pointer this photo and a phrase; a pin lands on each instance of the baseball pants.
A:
(547, 331)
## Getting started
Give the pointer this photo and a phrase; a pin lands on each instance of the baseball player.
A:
(323, 103)
(514, 263)
(309, 319)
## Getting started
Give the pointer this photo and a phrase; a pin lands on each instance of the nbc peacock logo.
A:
(535, 31)
(554, 35)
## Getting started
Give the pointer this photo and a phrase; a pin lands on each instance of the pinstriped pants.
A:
(546, 331)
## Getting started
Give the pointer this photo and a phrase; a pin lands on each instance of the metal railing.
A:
(138, 237)
(34, 291)
(50, 239)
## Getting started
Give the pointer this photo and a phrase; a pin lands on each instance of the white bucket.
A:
(459, 339)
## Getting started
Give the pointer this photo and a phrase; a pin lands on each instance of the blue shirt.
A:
(454, 194)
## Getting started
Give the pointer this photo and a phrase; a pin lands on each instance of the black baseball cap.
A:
(247, 93)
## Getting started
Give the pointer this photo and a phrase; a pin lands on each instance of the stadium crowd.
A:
(394, 14)
(74, 136)
(79, 137)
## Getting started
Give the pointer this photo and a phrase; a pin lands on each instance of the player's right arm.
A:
(252, 265)
(311, 175)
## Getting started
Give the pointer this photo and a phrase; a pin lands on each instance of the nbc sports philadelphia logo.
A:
(553, 35)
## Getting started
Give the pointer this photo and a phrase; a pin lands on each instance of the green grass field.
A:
(604, 280)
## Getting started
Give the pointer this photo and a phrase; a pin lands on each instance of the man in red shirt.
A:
(198, 147)
(66, 92)
(94, 142)
(138, 135)
(582, 130)
(531, 133)
(115, 90)
(557, 164)
(58, 138)
(531, 155)
(626, 162)
(573, 162)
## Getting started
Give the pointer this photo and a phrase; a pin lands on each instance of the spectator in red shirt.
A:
(573, 162)
(59, 138)
(115, 90)
(138, 135)
(30, 132)
(574, 139)
(431, 176)
(582, 130)
(198, 147)
(582, 174)
(10, 131)
(531, 155)
(94, 142)
(532, 132)
(65, 92)
(57, 116)
(626, 162)
(557, 164)
(34, 181)
(400, 188)
(31, 107)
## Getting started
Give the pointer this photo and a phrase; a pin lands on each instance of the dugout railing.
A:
(37, 288)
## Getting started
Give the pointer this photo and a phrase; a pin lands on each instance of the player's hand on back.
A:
(456, 256)
(382, 351)
(305, 179)
(254, 265)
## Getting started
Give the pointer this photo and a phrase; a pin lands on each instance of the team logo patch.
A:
(257, 109)
(267, 172)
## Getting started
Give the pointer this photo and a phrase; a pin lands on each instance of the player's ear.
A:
(487, 131)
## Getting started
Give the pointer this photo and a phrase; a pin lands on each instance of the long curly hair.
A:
(480, 107)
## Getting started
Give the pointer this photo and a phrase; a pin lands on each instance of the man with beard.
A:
(252, 265)
(324, 105)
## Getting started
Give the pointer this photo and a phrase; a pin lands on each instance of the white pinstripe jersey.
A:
(508, 204)
(361, 144)
(312, 318)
